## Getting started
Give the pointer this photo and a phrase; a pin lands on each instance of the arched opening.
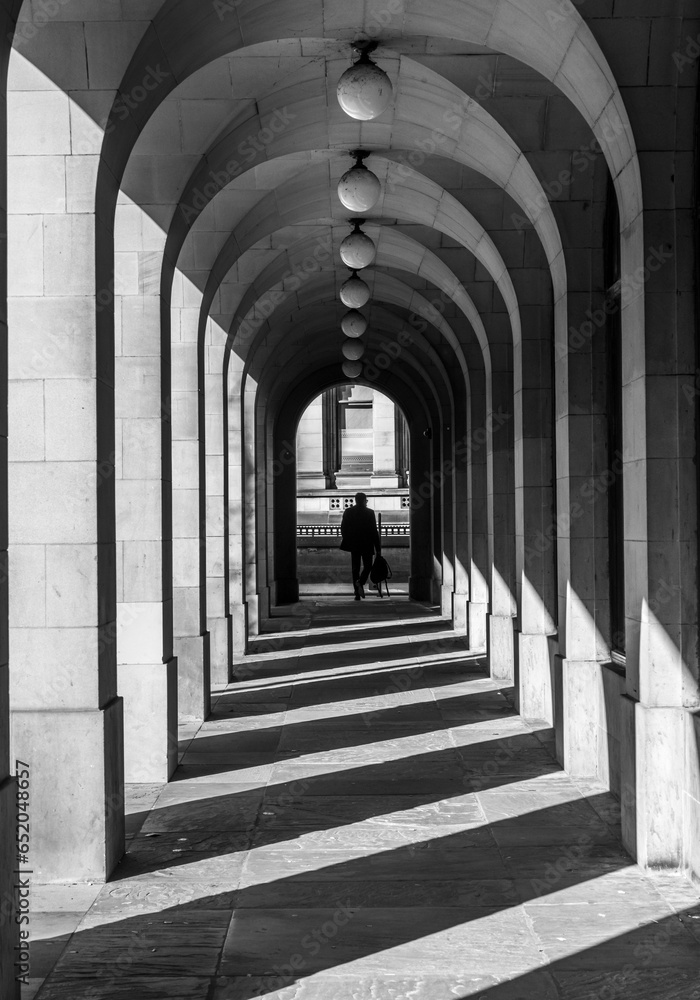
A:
(351, 438)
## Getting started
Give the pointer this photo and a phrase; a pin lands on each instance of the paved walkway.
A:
(364, 817)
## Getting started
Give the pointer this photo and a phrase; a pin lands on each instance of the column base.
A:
(655, 781)
(460, 614)
(150, 694)
(691, 827)
(500, 650)
(76, 786)
(9, 987)
(220, 645)
(447, 601)
(533, 677)
(478, 627)
(252, 606)
(239, 628)
(577, 697)
(193, 677)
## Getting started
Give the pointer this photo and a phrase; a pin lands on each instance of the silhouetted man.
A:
(361, 540)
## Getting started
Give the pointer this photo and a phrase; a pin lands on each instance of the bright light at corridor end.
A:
(364, 90)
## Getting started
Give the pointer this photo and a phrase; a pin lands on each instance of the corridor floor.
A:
(365, 817)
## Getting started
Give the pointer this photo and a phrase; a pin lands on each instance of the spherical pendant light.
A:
(352, 369)
(353, 324)
(359, 189)
(353, 350)
(354, 293)
(364, 90)
(357, 250)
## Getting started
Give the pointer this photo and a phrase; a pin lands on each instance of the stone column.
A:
(331, 456)
(233, 375)
(660, 760)
(251, 514)
(448, 522)
(501, 517)
(461, 514)
(584, 473)
(219, 623)
(147, 670)
(284, 520)
(67, 715)
(403, 447)
(188, 450)
(421, 578)
(384, 473)
(475, 453)
(534, 511)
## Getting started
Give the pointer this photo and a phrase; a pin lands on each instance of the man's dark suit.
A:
(360, 539)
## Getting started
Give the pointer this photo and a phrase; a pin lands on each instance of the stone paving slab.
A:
(206, 806)
(613, 935)
(173, 943)
(430, 862)
(434, 778)
(156, 893)
(261, 741)
(369, 836)
(649, 984)
(245, 770)
(359, 744)
(155, 987)
(427, 940)
(305, 892)
(71, 898)
(319, 812)
(324, 986)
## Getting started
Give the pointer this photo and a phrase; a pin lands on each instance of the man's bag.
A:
(380, 573)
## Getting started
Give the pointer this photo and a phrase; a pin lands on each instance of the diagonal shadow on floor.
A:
(318, 734)
(449, 909)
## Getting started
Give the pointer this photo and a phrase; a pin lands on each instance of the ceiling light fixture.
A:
(353, 350)
(357, 250)
(364, 90)
(355, 293)
(359, 189)
(353, 324)
(352, 369)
